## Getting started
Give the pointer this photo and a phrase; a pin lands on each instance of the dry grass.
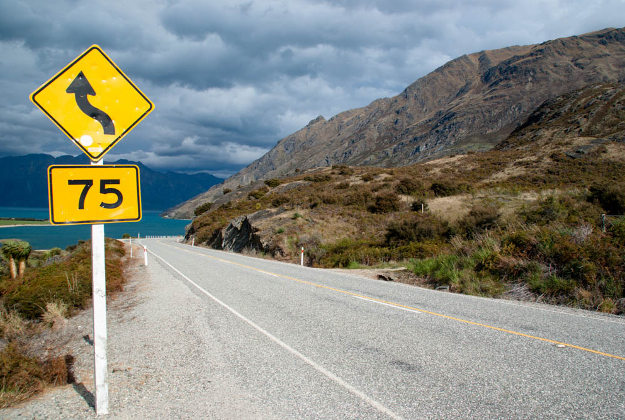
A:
(55, 314)
(12, 325)
(451, 208)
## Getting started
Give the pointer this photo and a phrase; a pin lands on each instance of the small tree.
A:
(16, 251)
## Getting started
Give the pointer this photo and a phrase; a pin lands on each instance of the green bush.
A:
(67, 281)
(479, 219)
(409, 186)
(203, 208)
(416, 229)
(610, 197)
(343, 169)
(272, 183)
(280, 200)
(545, 211)
(445, 188)
(385, 203)
(419, 205)
(258, 194)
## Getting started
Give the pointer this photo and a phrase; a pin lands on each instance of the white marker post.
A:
(130, 239)
(99, 317)
(301, 262)
(145, 255)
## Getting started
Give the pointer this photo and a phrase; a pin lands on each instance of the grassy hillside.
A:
(524, 220)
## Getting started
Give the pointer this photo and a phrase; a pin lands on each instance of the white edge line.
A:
(285, 346)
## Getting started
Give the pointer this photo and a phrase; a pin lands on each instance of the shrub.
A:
(448, 188)
(385, 203)
(272, 183)
(618, 230)
(280, 200)
(203, 208)
(610, 197)
(226, 191)
(367, 178)
(479, 219)
(22, 376)
(545, 211)
(258, 194)
(419, 205)
(67, 281)
(359, 198)
(343, 169)
(416, 229)
(318, 178)
(409, 186)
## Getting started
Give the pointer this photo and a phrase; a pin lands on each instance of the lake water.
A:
(50, 236)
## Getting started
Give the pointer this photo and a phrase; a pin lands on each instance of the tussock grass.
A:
(56, 284)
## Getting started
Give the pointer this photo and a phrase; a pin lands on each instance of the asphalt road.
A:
(311, 343)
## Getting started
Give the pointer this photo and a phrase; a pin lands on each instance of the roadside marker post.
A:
(95, 104)
(145, 255)
(301, 262)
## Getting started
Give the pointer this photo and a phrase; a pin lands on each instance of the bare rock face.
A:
(241, 234)
(471, 103)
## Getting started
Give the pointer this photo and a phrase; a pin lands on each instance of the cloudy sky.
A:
(230, 78)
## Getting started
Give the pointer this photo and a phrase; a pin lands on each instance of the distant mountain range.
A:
(23, 182)
(471, 103)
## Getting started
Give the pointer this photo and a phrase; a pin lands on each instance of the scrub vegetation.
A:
(54, 285)
(523, 220)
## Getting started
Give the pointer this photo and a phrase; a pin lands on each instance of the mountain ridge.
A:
(469, 103)
(23, 181)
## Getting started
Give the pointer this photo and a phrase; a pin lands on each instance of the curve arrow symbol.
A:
(81, 87)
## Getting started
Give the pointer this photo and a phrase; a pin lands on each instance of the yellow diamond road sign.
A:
(93, 102)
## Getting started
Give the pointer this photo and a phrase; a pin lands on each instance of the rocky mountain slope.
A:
(526, 219)
(470, 103)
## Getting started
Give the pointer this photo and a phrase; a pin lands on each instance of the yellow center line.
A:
(399, 305)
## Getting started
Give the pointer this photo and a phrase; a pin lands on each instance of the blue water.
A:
(46, 237)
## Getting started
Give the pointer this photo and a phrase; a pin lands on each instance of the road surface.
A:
(311, 343)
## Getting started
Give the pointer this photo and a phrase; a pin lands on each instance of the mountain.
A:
(23, 182)
(534, 218)
(471, 103)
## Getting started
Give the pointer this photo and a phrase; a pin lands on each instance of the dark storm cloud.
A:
(230, 78)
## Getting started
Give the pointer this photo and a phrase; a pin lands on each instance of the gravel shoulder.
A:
(162, 362)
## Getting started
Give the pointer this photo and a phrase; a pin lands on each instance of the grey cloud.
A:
(229, 78)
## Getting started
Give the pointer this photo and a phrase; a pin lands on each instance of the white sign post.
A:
(95, 127)
(99, 317)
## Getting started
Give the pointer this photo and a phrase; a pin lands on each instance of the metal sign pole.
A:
(99, 317)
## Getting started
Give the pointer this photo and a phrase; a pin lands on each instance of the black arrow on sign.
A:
(81, 88)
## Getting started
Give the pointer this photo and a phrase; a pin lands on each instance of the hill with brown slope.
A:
(523, 219)
(470, 103)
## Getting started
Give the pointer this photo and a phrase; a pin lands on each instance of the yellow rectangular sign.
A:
(84, 194)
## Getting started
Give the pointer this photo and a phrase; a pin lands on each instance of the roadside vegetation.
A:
(524, 220)
(52, 285)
